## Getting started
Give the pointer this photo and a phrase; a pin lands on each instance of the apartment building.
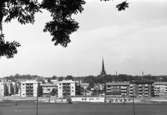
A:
(29, 88)
(117, 89)
(2, 89)
(66, 88)
(117, 92)
(160, 89)
(141, 89)
(8, 88)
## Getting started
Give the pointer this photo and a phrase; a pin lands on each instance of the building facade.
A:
(124, 92)
(117, 89)
(29, 88)
(141, 89)
(66, 88)
(2, 89)
(8, 88)
(160, 89)
(117, 92)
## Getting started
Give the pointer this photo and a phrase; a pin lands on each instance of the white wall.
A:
(23, 87)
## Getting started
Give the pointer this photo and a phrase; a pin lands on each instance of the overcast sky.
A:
(130, 41)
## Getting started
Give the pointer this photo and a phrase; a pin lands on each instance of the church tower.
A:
(103, 72)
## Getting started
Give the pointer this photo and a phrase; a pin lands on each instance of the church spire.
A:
(103, 72)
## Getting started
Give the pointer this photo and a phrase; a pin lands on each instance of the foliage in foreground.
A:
(60, 27)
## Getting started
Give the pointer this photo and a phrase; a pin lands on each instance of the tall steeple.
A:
(103, 72)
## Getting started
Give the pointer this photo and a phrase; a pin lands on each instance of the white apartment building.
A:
(7, 88)
(29, 88)
(160, 88)
(2, 89)
(117, 89)
(66, 88)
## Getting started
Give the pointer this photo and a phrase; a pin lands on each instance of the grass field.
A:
(10, 108)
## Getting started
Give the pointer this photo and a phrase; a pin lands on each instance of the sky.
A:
(131, 42)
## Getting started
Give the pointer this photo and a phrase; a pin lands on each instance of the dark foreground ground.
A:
(29, 108)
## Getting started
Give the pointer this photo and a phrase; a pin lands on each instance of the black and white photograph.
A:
(83, 57)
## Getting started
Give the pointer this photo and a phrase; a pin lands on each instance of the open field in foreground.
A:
(29, 108)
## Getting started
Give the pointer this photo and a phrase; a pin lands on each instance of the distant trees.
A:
(69, 77)
(92, 80)
(6, 90)
(54, 77)
(17, 86)
(54, 92)
(79, 89)
(60, 78)
(18, 76)
(88, 79)
(12, 90)
(40, 91)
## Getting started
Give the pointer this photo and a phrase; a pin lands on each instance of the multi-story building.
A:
(160, 89)
(8, 88)
(132, 90)
(141, 89)
(117, 89)
(117, 92)
(29, 88)
(66, 88)
(2, 89)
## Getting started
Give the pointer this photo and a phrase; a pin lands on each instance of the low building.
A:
(160, 89)
(29, 88)
(48, 89)
(66, 88)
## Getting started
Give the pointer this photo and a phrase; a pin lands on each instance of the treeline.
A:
(19, 77)
(29, 77)
(122, 77)
(95, 79)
